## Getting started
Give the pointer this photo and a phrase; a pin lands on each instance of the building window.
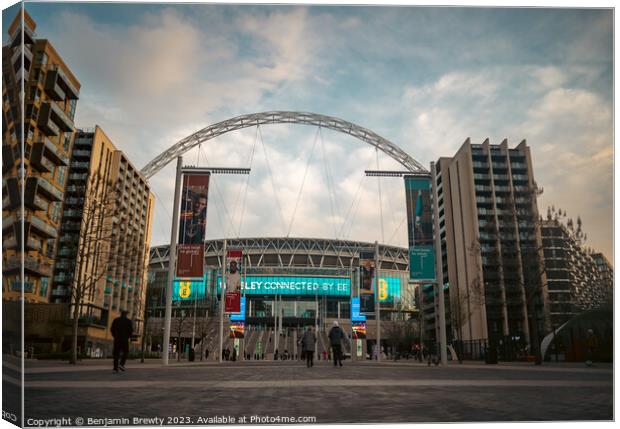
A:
(55, 212)
(66, 144)
(41, 58)
(72, 105)
(60, 177)
(51, 245)
(44, 285)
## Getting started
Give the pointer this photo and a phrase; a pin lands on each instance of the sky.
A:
(425, 78)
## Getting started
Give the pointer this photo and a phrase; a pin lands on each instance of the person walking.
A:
(324, 355)
(308, 346)
(591, 345)
(336, 335)
(122, 329)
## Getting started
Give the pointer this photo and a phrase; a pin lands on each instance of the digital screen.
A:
(294, 285)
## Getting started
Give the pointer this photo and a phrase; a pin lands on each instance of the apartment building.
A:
(491, 246)
(51, 92)
(577, 280)
(105, 234)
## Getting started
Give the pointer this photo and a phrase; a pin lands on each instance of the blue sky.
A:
(424, 78)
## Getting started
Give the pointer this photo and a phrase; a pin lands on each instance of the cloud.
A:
(424, 78)
(568, 128)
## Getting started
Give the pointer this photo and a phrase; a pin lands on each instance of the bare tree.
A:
(180, 318)
(94, 247)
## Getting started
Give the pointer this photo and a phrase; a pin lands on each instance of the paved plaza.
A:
(202, 393)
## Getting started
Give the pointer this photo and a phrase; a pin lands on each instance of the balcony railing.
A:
(30, 264)
(45, 187)
(45, 122)
(52, 152)
(72, 91)
(52, 87)
(42, 226)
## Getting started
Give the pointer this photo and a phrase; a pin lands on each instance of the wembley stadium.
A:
(289, 283)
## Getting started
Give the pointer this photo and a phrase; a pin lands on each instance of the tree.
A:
(401, 334)
(203, 330)
(180, 318)
(461, 303)
(93, 254)
(532, 263)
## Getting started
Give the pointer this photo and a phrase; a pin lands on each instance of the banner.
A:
(188, 290)
(233, 302)
(359, 348)
(234, 259)
(420, 228)
(192, 224)
(355, 311)
(367, 286)
(359, 331)
(237, 330)
(239, 317)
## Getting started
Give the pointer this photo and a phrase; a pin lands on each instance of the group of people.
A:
(308, 344)
(228, 355)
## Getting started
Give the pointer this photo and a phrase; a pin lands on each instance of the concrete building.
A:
(577, 279)
(50, 99)
(104, 239)
(491, 247)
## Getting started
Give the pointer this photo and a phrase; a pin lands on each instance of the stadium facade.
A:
(306, 281)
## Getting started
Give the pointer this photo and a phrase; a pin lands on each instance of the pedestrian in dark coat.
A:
(308, 346)
(336, 335)
(121, 329)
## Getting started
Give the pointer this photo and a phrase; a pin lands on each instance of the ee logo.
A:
(383, 290)
(185, 289)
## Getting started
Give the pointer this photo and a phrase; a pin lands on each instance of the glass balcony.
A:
(31, 265)
(42, 227)
(54, 118)
(7, 221)
(61, 78)
(45, 121)
(52, 152)
(41, 185)
(52, 87)
(38, 159)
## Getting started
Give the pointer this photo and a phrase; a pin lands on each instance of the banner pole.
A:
(439, 282)
(222, 303)
(172, 257)
(377, 304)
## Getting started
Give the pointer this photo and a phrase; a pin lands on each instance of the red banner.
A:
(192, 224)
(233, 302)
(190, 260)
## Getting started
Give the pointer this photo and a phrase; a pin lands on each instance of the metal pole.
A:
(194, 324)
(222, 302)
(442, 310)
(172, 257)
(377, 304)
(316, 323)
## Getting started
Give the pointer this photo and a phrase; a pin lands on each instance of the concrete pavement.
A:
(357, 393)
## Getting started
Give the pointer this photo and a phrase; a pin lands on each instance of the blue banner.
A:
(420, 228)
(422, 263)
(355, 311)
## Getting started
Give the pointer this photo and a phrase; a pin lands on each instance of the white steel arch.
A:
(283, 117)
